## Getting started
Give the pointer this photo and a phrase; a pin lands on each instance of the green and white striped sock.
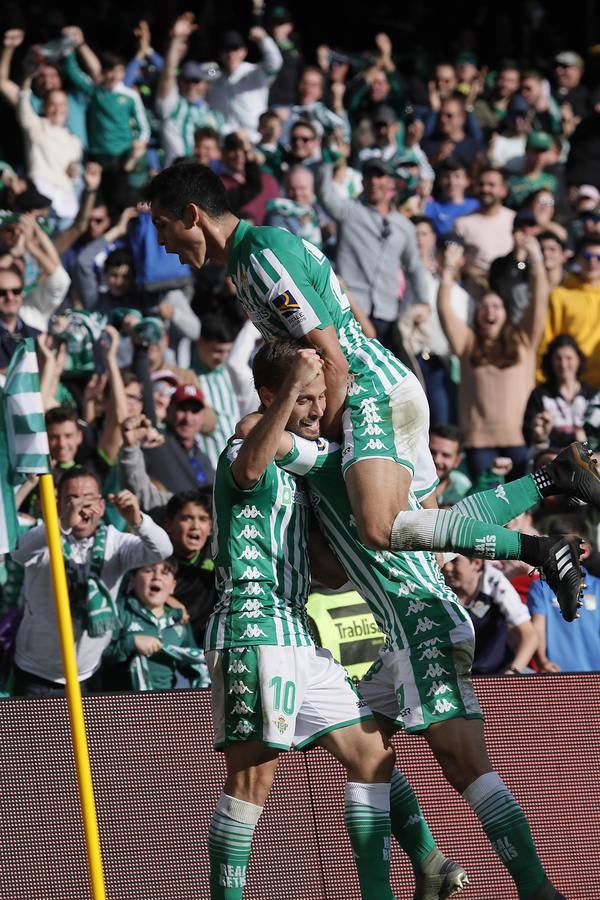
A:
(408, 822)
(229, 842)
(505, 825)
(367, 814)
(444, 530)
(501, 504)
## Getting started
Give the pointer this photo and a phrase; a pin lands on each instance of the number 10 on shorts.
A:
(283, 692)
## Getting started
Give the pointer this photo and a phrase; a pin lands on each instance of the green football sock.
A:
(444, 530)
(367, 814)
(505, 825)
(229, 842)
(408, 823)
(501, 504)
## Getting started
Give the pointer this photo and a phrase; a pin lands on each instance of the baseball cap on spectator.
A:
(188, 393)
(568, 58)
(279, 15)
(195, 71)
(375, 164)
(232, 40)
(538, 140)
(517, 107)
(588, 192)
(31, 198)
(384, 114)
(464, 58)
(165, 375)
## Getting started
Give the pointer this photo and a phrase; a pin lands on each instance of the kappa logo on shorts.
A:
(287, 304)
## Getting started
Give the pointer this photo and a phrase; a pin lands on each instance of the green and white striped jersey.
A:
(219, 393)
(288, 288)
(400, 588)
(260, 550)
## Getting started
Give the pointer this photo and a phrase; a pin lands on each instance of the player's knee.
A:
(375, 765)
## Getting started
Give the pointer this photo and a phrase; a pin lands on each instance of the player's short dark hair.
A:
(77, 472)
(61, 414)
(272, 362)
(182, 498)
(447, 432)
(185, 183)
(423, 220)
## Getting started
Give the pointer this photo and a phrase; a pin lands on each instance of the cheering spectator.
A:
(450, 201)
(240, 91)
(497, 364)
(555, 411)
(181, 104)
(488, 232)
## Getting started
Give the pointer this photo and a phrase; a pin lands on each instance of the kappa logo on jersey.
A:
(249, 512)
(371, 429)
(252, 609)
(417, 606)
(425, 624)
(431, 653)
(287, 304)
(253, 631)
(253, 589)
(374, 445)
(251, 572)
(250, 553)
(249, 532)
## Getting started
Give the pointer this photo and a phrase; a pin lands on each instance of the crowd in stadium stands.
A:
(462, 216)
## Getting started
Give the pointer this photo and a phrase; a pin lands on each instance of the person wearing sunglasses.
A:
(575, 308)
(12, 326)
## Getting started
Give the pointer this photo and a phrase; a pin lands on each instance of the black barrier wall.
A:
(157, 778)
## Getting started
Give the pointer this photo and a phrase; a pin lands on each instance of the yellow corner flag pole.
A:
(65, 627)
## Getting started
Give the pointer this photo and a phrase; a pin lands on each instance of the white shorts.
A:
(283, 696)
(394, 426)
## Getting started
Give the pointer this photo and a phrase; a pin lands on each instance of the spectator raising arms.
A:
(497, 364)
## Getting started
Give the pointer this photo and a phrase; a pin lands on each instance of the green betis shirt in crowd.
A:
(219, 392)
(288, 288)
(406, 591)
(260, 550)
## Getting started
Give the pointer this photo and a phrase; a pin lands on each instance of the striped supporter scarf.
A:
(91, 601)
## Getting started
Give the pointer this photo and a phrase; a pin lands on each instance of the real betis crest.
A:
(281, 724)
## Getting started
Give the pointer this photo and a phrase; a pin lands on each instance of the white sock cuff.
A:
(239, 810)
(482, 788)
(414, 529)
(374, 795)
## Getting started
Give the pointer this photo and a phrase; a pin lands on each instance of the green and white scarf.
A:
(91, 601)
(193, 657)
